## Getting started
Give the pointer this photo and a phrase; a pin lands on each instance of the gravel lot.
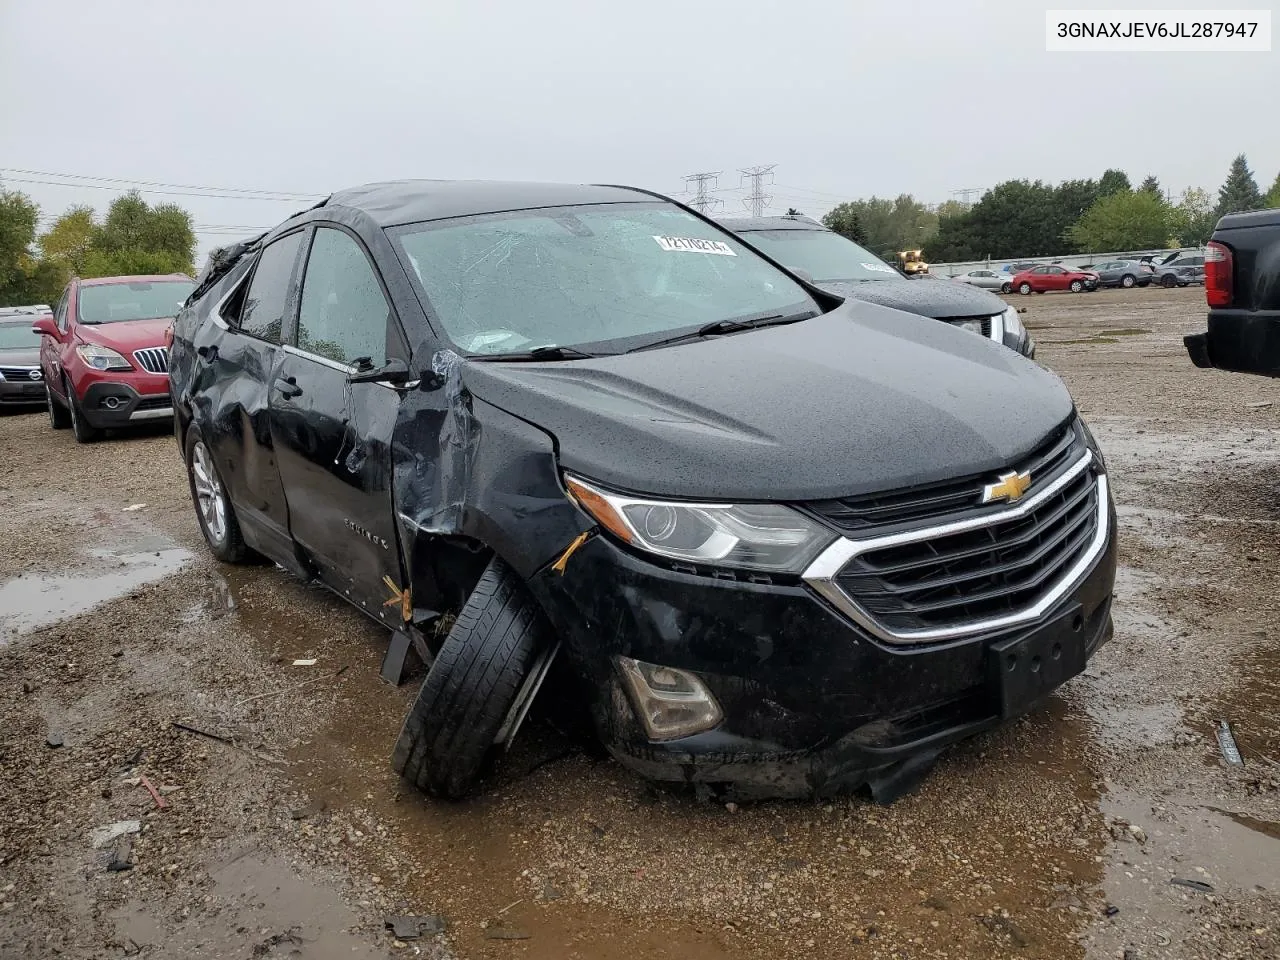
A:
(286, 834)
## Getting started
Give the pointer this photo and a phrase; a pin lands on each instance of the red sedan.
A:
(1051, 276)
(103, 352)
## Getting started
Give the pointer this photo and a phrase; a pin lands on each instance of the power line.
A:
(702, 200)
(290, 194)
(283, 198)
(966, 194)
(757, 200)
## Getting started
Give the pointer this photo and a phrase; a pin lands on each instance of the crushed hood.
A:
(858, 400)
(927, 296)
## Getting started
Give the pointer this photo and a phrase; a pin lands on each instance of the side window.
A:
(60, 311)
(344, 315)
(263, 313)
(1040, 270)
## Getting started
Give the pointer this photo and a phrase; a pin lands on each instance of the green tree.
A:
(1113, 181)
(18, 216)
(134, 232)
(1272, 199)
(951, 208)
(1240, 191)
(131, 261)
(845, 221)
(1017, 218)
(1123, 221)
(69, 240)
(1152, 185)
(1191, 222)
(793, 212)
(888, 226)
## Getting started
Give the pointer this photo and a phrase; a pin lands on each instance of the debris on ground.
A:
(54, 739)
(410, 927)
(161, 802)
(1137, 833)
(135, 507)
(1227, 744)
(505, 933)
(121, 852)
(104, 834)
(1259, 405)
(1198, 885)
(204, 733)
(310, 662)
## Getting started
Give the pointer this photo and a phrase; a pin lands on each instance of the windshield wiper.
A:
(719, 327)
(551, 352)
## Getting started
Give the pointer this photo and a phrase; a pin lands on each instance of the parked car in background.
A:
(1242, 289)
(987, 280)
(1180, 271)
(837, 264)
(21, 383)
(33, 309)
(1013, 269)
(1121, 273)
(1046, 277)
(103, 352)
(549, 457)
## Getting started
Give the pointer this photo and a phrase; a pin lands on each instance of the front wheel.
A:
(59, 418)
(1076, 286)
(214, 513)
(1024, 288)
(449, 733)
(1168, 281)
(81, 429)
(1127, 281)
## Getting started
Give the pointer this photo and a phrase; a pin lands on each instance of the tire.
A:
(1168, 281)
(59, 416)
(1076, 286)
(448, 734)
(1024, 288)
(81, 429)
(1128, 280)
(1006, 287)
(205, 483)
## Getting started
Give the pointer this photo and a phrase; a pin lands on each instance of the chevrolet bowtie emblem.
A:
(1011, 487)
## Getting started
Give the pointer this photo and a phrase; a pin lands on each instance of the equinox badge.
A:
(1011, 487)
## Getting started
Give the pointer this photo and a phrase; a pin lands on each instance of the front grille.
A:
(153, 359)
(931, 502)
(984, 321)
(957, 579)
(154, 403)
(20, 374)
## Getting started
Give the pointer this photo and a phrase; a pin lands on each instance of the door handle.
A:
(288, 387)
(207, 352)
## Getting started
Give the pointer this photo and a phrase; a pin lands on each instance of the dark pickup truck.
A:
(1242, 286)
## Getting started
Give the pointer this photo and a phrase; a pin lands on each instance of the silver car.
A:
(21, 383)
(987, 280)
(1122, 273)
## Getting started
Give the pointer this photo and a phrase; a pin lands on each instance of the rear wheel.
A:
(450, 731)
(1128, 280)
(1024, 288)
(1006, 287)
(1168, 280)
(214, 513)
(83, 431)
(59, 418)
(1076, 286)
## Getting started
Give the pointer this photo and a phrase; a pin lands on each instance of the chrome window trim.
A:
(821, 573)
(324, 361)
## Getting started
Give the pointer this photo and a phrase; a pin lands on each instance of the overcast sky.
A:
(848, 98)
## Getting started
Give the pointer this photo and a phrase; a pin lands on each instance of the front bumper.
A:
(1241, 341)
(813, 704)
(21, 392)
(109, 404)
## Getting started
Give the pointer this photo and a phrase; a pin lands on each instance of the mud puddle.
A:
(37, 600)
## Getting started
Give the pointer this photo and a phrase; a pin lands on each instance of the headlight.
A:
(973, 326)
(102, 358)
(749, 536)
(1013, 323)
(1092, 444)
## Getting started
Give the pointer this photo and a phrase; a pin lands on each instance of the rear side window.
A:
(268, 296)
(344, 315)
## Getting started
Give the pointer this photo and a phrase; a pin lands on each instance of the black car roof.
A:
(397, 202)
(747, 224)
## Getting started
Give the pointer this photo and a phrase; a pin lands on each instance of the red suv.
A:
(103, 352)
(1050, 276)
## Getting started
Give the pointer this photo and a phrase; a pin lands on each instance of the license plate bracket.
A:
(1024, 669)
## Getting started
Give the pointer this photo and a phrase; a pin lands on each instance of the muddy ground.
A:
(286, 834)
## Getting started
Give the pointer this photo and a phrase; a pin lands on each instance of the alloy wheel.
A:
(210, 499)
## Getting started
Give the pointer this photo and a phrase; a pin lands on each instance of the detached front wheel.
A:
(474, 681)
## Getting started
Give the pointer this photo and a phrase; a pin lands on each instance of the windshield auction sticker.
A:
(694, 245)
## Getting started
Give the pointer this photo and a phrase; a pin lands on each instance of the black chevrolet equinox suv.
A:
(785, 544)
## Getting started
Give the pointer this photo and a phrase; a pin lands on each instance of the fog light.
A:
(670, 703)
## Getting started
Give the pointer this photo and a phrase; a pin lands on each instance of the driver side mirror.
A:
(45, 326)
(394, 372)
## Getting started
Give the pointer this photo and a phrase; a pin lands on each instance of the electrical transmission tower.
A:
(966, 194)
(702, 184)
(757, 200)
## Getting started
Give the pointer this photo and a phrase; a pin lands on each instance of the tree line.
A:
(1025, 218)
(133, 238)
